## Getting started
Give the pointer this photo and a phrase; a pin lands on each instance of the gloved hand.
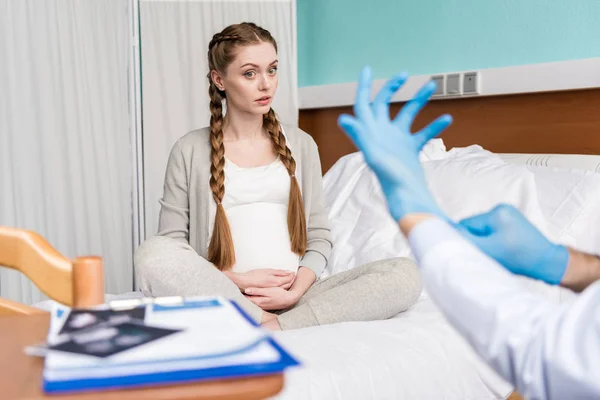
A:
(390, 149)
(509, 238)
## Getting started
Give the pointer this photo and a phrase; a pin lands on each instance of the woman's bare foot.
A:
(267, 316)
(272, 324)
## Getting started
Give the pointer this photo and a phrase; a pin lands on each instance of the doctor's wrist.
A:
(582, 270)
(409, 221)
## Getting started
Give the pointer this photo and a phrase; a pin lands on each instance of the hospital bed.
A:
(417, 354)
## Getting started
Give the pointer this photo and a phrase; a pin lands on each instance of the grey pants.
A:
(375, 291)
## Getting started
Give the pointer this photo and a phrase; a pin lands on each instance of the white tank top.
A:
(256, 203)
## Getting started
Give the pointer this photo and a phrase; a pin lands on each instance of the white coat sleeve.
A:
(548, 351)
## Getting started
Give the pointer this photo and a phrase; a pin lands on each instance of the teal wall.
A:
(337, 37)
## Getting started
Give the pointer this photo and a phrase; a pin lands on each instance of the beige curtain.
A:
(65, 155)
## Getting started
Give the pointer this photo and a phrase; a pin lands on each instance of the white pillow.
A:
(435, 149)
(471, 180)
(464, 183)
(361, 226)
(355, 201)
(570, 202)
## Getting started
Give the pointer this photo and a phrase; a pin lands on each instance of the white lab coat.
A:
(547, 351)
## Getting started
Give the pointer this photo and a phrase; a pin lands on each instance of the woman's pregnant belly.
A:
(261, 238)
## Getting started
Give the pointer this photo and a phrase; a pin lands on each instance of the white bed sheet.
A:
(416, 355)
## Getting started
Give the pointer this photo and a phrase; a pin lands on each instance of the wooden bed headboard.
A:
(566, 122)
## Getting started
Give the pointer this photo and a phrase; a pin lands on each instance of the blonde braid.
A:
(296, 216)
(220, 251)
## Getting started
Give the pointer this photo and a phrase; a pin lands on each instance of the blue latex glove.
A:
(389, 148)
(509, 238)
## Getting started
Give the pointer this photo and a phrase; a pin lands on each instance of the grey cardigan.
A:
(188, 209)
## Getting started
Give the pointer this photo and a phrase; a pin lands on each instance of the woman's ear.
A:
(217, 80)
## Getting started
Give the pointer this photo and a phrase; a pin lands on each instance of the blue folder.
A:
(191, 360)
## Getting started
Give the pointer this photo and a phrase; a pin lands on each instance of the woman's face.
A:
(250, 81)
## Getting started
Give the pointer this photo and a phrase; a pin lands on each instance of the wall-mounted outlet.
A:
(471, 83)
(439, 81)
(453, 85)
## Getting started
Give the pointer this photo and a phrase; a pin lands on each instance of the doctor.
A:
(547, 351)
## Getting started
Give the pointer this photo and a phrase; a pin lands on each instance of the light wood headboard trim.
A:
(566, 122)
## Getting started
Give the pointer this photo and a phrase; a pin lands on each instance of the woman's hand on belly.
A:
(262, 278)
(273, 298)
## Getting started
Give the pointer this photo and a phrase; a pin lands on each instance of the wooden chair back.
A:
(76, 283)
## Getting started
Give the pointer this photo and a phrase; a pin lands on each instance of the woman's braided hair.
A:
(220, 54)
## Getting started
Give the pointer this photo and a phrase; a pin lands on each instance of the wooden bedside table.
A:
(21, 375)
